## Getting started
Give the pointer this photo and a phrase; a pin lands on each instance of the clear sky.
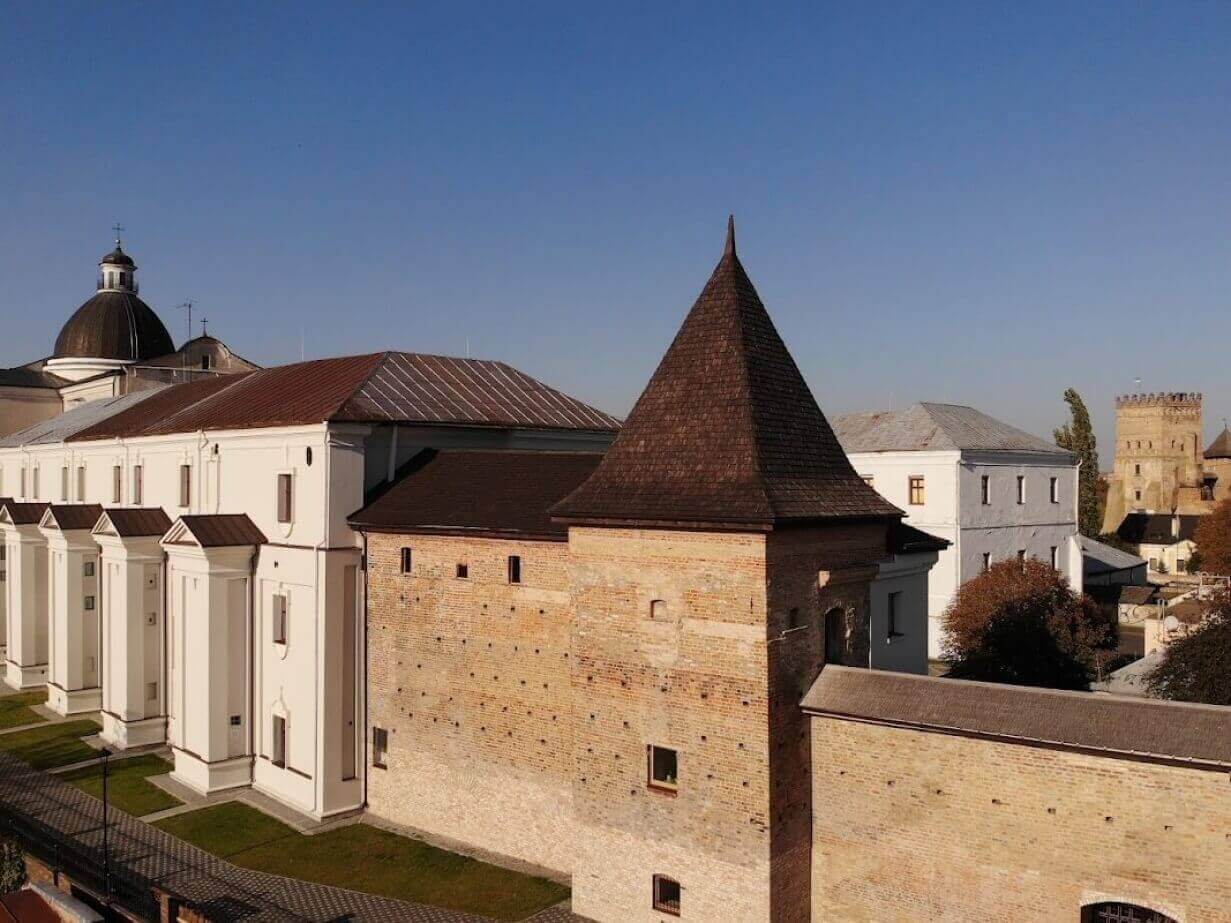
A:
(981, 203)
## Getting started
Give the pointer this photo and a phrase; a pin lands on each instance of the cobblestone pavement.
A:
(222, 890)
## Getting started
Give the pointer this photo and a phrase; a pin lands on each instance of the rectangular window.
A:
(666, 895)
(279, 618)
(284, 498)
(34, 486)
(1054, 490)
(1055, 558)
(661, 768)
(987, 560)
(895, 602)
(137, 485)
(185, 485)
(87, 569)
(64, 484)
(117, 483)
(81, 483)
(279, 742)
(1136, 469)
(1021, 489)
(1137, 495)
(406, 560)
(23, 483)
(380, 746)
(985, 488)
(463, 571)
(514, 568)
(915, 484)
(236, 721)
(89, 604)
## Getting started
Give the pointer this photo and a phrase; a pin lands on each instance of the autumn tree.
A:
(1197, 666)
(1078, 437)
(1020, 622)
(1213, 540)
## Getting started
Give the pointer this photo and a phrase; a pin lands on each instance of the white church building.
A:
(993, 491)
(178, 557)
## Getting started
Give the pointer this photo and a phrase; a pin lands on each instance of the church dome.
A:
(115, 324)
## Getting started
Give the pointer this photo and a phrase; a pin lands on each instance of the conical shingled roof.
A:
(726, 433)
(1220, 447)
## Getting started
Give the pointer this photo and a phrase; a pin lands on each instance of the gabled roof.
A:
(386, 387)
(134, 522)
(1221, 446)
(22, 514)
(78, 419)
(221, 530)
(489, 493)
(927, 427)
(726, 433)
(69, 517)
(1156, 528)
(1131, 727)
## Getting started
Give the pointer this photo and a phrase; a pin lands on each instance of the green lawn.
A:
(15, 709)
(365, 858)
(127, 786)
(53, 745)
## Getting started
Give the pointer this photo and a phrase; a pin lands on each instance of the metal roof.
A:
(927, 427)
(223, 530)
(131, 522)
(1098, 558)
(73, 421)
(74, 516)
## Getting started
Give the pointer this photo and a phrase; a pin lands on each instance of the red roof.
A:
(726, 432)
(223, 530)
(70, 516)
(377, 388)
(132, 522)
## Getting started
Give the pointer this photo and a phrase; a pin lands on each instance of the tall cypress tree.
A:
(1078, 437)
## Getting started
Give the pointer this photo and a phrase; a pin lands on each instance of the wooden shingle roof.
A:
(727, 432)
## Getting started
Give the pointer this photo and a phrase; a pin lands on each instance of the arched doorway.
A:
(835, 634)
(1119, 912)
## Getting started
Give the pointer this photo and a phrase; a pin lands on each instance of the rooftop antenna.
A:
(301, 351)
(188, 306)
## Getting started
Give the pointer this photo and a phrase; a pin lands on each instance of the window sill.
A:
(894, 636)
(380, 766)
(668, 790)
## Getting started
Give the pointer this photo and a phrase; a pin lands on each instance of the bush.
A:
(1197, 666)
(12, 867)
(1019, 622)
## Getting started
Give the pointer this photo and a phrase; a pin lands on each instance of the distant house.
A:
(1164, 540)
(991, 490)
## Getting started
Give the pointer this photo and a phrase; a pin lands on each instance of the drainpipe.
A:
(361, 753)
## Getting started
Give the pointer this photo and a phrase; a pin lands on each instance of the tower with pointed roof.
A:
(720, 554)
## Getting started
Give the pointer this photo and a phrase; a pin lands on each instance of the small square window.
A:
(463, 571)
(406, 560)
(662, 768)
(236, 721)
(380, 747)
(87, 569)
(666, 895)
(89, 604)
(514, 568)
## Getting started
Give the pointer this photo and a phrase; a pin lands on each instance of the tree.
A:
(1197, 666)
(1078, 437)
(1213, 540)
(1020, 622)
(12, 866)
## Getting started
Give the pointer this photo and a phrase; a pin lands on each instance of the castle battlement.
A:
(1160, 399)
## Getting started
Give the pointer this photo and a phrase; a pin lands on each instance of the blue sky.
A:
(980, 203)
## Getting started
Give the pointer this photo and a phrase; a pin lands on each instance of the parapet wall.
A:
(1160, 398)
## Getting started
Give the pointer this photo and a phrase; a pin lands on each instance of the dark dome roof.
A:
(119, 257)
(114, 325)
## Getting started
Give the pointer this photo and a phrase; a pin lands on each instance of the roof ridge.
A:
(380, 358)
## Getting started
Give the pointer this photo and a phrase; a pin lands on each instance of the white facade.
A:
(1043, 525)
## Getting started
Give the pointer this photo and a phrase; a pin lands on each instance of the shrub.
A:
(1197, 666)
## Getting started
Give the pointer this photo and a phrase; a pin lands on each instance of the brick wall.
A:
(471, 680)
(909, 825)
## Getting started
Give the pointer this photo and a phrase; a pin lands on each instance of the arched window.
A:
(1118, 912)
(835, 635)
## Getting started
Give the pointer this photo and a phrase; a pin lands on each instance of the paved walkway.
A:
(224, 891)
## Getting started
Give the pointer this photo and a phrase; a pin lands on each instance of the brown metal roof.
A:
(223, 530)
(376, 388)
(1128, 726)
(501, 494)
(70, 516)
(24, 514)
(27, 906)
(24, 377)
(904, 539)
(1221, 446)
(726, 432)
(133, 522)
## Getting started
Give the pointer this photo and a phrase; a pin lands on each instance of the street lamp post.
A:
(105, 754)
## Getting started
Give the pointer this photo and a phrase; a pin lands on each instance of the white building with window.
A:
(993, 491)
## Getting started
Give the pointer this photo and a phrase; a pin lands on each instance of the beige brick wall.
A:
(471, 679)
(912, 826)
